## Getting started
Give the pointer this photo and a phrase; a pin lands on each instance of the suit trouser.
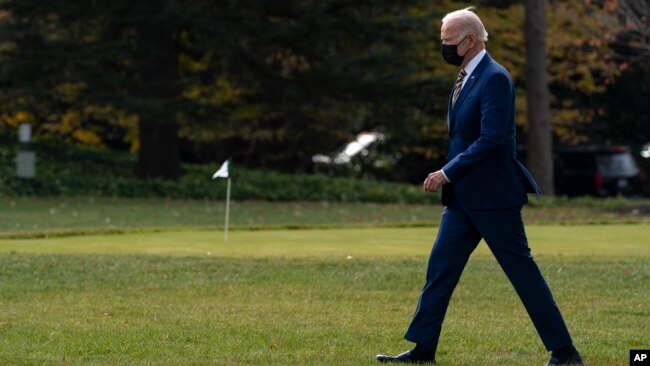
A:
(503, 230)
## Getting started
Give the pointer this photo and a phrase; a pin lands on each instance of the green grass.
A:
(306, 297)
(31, 216)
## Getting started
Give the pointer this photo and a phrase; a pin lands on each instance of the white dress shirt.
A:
(471, 65)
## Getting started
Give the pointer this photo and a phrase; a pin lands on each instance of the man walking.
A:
(483, 190)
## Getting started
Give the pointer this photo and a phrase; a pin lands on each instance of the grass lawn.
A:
(30, 214)
(306, 297)
(39, 216)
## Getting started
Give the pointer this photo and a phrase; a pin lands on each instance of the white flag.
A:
(222, 172)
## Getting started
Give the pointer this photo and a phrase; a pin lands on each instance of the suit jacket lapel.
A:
(466, 89)
(451, 94)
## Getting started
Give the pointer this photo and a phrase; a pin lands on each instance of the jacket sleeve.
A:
(496, 104)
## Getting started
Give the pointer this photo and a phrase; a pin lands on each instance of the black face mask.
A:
(450, 53)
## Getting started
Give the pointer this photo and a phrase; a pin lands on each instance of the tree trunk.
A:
(158, 155)
(540, 142)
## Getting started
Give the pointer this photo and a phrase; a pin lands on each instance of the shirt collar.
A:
(474, 62)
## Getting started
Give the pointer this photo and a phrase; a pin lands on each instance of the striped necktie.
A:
(458, 86)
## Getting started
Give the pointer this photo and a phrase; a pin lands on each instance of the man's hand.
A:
(434, 181)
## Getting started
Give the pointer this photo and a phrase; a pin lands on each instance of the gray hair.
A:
(469, 22)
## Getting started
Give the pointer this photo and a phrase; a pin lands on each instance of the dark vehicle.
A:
(595, 170)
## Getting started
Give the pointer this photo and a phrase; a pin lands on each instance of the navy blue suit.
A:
(483, 201)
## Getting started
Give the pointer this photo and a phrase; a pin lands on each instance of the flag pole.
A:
(225, 232)
(224, 172)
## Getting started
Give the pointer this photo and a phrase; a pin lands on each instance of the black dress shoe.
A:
(406, 357)
(573, 359)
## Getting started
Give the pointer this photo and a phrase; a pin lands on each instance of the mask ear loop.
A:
(462, 42)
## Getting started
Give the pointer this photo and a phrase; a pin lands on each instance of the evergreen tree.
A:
(120, 54)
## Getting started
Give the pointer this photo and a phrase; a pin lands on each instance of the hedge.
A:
(64, 169)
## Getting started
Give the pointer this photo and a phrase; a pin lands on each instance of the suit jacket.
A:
(481, 161)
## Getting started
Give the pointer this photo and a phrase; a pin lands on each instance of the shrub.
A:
(64, 169)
